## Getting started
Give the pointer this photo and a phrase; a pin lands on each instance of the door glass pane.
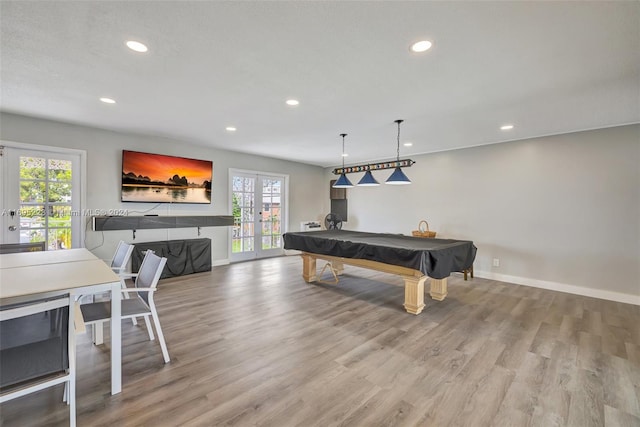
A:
(247, 245)
(60, 216)
(32, 168)
(266, 242)
(32, 191)
(275, 221)
(32, 235)
(247, 215)
(60, 170)
(247, 229)
(59, 238)
(237, 184)
(59, 192)
(236, 244)
(32, 217)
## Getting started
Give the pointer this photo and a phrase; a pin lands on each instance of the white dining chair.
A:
(141, 303)
(118, 264)
(36, 353)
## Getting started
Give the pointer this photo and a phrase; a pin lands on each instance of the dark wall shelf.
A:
(106, 223)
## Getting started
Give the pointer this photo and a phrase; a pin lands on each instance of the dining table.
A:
(33, 276)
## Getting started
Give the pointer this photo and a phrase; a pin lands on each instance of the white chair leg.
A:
(72, 403)
(98, 333)
(149, 329)
(163, 345)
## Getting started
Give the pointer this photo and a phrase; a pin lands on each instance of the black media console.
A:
(183, 256)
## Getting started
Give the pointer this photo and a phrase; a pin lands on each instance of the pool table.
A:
(413, 258)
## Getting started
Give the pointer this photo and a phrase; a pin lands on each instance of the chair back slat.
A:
(149, 273)
(122, 256)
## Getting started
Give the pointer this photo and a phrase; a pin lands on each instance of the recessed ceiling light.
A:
(136, 46)
(421, 46)
(108, 100)
(292, 102)
(506, 127)
(230, 128)
(345, 154)
(408, 144)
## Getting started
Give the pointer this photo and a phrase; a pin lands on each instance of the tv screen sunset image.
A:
(158, 178)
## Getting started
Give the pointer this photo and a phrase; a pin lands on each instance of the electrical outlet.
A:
(496, 262)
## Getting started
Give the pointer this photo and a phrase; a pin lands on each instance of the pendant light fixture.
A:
(343, 181)
(368, 180)
(398, 177)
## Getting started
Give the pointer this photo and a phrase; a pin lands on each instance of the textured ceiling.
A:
(546, 67)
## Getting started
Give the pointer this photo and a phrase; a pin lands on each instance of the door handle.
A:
(12, 228)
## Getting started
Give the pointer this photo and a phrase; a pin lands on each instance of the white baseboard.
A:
(561, 287)
(526, 281)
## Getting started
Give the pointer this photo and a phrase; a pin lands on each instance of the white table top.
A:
(48, 278)
(24, 259)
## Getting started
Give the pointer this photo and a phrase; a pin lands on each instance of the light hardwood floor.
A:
(253, 344)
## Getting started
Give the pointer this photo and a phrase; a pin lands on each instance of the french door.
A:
(258, 203)
(41, 198)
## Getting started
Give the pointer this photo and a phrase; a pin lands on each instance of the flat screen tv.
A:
(156, 178)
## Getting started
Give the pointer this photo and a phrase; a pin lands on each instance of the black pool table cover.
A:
(436, 258)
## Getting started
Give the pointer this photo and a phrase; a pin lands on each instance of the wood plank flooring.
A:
(253, 345)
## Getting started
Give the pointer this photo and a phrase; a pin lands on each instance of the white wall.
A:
(104, 157)
(559, 212)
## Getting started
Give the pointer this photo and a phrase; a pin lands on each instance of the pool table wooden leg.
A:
(414, 293)
(338, 267)
(438, 289)
(308, 268)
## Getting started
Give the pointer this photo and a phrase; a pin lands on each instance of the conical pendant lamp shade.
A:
(398, 178)
(343, 182)
(368, 180)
